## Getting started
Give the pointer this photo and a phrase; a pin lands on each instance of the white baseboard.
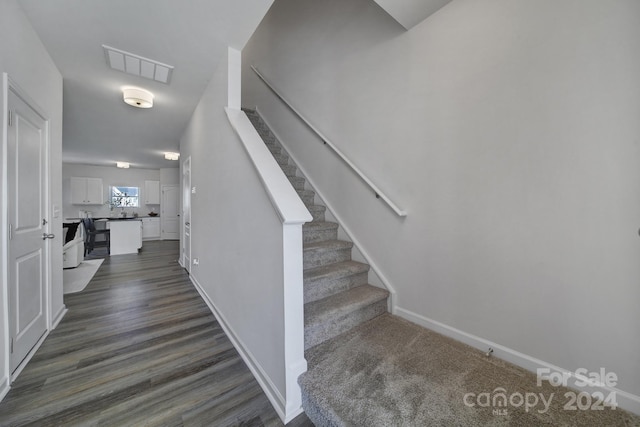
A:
(4, 388)
(625, 400)
(29, 356)
(271, 391)
(58, 318)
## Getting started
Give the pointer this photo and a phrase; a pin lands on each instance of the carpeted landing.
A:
(390, 372)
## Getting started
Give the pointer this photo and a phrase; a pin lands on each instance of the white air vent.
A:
(137, 65)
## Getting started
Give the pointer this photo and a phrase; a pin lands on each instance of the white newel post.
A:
(295, 363)
(293, 214)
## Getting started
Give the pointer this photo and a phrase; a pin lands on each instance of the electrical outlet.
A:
(196, 261)
(193, 190)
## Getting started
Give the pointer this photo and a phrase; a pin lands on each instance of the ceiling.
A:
(191, 35)
(410, 13)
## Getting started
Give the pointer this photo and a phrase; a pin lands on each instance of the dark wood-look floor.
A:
(138, 347)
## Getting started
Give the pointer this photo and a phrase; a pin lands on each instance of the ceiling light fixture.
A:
(137, 97)
(122, 165)
(172, 156)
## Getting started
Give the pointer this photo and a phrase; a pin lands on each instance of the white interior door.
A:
(170, 213)
(186, 214)
(28, 230)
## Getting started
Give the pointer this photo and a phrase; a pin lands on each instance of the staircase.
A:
(337, 296)
(370, 368)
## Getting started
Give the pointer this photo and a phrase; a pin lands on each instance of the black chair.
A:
(90, 234)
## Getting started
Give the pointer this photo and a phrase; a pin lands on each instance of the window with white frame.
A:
(125, 197)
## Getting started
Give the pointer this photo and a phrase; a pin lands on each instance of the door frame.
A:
(186, 167)
(10, 85)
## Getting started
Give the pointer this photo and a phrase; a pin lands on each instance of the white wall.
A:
(237, 236)
(131, 177)
(509, 130)
(169, 176)
(25, 59)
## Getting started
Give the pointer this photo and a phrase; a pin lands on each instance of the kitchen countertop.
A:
(115, 218)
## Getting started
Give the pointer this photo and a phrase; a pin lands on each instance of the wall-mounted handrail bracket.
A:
(379, 194)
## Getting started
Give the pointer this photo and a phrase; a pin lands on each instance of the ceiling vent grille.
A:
(137, 65)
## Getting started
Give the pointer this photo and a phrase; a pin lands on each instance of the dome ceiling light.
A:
(138, 98)
(172, 156)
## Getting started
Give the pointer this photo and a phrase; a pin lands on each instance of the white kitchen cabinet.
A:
(152, 192)
(86, 191)
(150, 228)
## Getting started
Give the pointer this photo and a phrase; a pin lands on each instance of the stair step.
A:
(260, 126)
(282, 159)
(297, 182)
(266, 134)
(336, 294)
(316, 254)
(274, 149)
(317, 212)
(327, 280)
(331, 316)
(269, 138)
(289, 170)
(307, 196)
(319, 231)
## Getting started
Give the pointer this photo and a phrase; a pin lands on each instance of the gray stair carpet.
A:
(390, 372)
(370, 368)
(336, 293)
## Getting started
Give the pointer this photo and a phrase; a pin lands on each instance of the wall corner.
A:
(234, 89)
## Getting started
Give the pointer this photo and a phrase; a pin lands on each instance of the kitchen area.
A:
(134, 205)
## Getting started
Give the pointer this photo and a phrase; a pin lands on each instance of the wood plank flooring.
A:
(138, 347)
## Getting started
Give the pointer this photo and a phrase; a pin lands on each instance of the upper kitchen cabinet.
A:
(152, 192)
(86, 191)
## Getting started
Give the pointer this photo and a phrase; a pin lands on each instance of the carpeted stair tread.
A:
(274, 149)
(282, 159)
(326, 246)
(320, 225)
(289, 170)
(307, 196)
(329, 317)
(317, 212)
(334, 271)
(325, 252)
(324, 281)
(342, 303)
(297, 182)
(317, 231)
(306, 192)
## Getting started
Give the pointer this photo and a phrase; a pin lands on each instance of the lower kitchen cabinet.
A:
(150, 228)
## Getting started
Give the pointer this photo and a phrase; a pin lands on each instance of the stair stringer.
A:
(376, 277)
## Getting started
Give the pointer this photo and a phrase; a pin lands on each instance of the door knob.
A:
(46, 236)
